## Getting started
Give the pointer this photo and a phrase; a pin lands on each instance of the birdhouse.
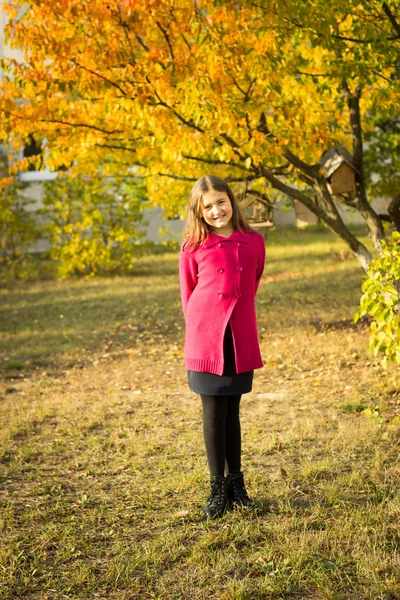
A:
(257, 213)
(339, 170)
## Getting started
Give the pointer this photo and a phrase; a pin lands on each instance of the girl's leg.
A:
(236, 490)
(233, 434)
(214, 429)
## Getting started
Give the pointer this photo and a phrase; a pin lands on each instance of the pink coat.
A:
(218, 282)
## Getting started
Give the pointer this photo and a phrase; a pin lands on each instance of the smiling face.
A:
(217, 212)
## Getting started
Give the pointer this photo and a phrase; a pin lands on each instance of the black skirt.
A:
(229, 383)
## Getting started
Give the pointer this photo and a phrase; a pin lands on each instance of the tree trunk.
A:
(394, 211)
(333, 220)
(361, 201)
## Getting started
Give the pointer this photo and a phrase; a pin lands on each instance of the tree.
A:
(255, 91)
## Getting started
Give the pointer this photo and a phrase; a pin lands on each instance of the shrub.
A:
(92, 225)
(19, 231)
(381, 300)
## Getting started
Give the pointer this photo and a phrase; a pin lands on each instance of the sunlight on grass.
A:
(103, 468)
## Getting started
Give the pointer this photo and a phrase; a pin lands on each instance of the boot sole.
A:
(217, 515)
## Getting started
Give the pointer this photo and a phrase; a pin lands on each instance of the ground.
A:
(103, 470)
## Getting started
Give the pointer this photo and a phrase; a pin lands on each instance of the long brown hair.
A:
(196, 230)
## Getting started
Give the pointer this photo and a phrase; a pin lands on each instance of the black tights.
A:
(221, 428)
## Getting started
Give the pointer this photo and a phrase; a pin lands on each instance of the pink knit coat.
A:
(218, 283)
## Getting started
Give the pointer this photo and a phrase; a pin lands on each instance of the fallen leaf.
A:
(181, 513)
(252, 573)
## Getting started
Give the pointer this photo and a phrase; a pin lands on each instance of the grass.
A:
(103, 471)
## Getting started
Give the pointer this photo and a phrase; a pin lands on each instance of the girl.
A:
(220, 265)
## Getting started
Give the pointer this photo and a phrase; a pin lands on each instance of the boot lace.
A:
(239, 490)
(217, 492)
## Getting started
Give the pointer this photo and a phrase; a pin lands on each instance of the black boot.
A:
(216, 502)
(236, 491)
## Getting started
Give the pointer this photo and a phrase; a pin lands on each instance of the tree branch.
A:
(287, 189)
(211, 161)
(164, 31)
(249, 129)
(264, 198)
(358, 41)
(341, 37)
(75, 62)
(390, 15)
(114, 147)
(238, 86)
(185, 40)
(382, 76)
(182, 119)
(334, 221)
(125, 27)
(144, 45)
(235, 146)
(300, 164)
(245, 94)
(84, 125)
(230, 141)
(310, 182)
(312, 74)
(179, 177)
(292, 158)
(142, 42)
(229, 179)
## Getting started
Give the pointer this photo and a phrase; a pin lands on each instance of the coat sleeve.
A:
(260, 262)
(187, 276)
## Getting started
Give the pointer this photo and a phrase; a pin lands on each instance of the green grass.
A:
(103, 471)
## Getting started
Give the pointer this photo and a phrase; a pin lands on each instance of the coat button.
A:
(219, 245)
(221, 294)
(221, 270)
(236, 244)
(238, 294)
(239, 268)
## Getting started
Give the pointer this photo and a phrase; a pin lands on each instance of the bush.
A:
(92, 225)
(19, 231)
(381, 300)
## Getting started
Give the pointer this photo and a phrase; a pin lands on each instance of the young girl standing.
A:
(220, 265)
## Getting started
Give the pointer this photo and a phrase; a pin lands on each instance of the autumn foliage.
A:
(254, 91)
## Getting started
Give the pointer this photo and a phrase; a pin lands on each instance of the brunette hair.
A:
(196, 230)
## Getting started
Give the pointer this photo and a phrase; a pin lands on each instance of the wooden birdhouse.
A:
(339, 170)
(257, 213)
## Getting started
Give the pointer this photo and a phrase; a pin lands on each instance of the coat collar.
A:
(236, 236)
